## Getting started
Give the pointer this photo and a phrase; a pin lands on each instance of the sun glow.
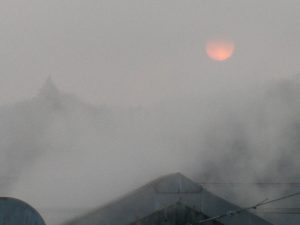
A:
(219, 50)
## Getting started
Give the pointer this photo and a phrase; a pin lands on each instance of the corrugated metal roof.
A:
(161, 193)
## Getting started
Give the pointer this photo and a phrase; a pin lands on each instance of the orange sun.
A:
(219, 50)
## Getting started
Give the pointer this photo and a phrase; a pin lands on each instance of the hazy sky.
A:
(138, 51)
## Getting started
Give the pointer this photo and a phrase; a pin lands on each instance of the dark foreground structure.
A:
(16, 212)
(170, 200)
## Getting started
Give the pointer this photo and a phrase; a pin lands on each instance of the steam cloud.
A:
(64, 155)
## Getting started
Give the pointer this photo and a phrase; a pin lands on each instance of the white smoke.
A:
(65, 156)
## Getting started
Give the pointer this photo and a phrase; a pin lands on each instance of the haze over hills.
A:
(65, 156)
(26, 126)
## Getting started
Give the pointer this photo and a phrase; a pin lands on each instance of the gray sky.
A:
(59, 153)
(138, 52)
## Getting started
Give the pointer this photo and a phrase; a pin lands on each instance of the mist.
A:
(133, 96)
(66, 157)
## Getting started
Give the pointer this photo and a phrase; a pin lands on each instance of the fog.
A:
(66, 157)
(99, 97)
(138, 52)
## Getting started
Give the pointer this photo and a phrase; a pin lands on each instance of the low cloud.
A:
(65, 156)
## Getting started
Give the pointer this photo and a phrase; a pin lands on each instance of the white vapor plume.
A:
(65, 156)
